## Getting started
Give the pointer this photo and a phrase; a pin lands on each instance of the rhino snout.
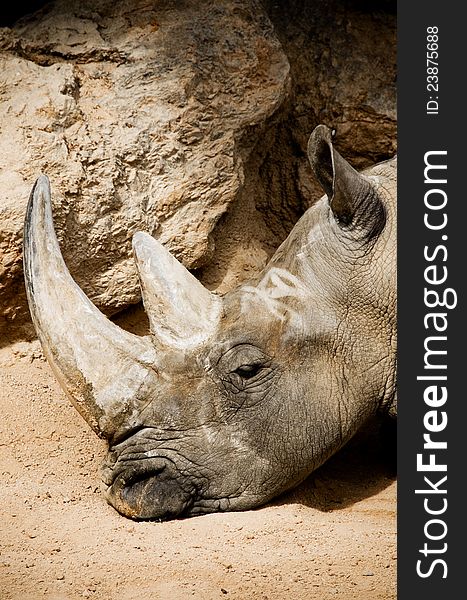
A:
(158, 495)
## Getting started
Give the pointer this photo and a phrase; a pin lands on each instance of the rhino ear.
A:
(181, 311)
(354, 201)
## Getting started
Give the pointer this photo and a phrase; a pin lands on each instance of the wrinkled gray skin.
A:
(232, 400)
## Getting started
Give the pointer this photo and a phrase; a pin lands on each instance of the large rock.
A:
(142, 115)
(181, 118)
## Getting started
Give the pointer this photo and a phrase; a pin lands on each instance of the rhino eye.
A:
(248, 371)
(243, 363)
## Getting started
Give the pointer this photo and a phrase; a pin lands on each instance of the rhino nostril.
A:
(140, 478)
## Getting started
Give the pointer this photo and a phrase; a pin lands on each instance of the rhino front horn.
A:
(352, 197)
(106, 371)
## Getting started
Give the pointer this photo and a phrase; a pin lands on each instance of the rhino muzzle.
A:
(156, 495)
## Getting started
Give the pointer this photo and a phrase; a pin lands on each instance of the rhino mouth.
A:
(142, 487)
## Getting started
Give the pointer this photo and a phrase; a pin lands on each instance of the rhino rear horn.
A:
(182, 312)
(106, 371)
(354, 201)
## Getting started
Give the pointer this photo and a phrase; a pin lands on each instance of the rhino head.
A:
(231, 400)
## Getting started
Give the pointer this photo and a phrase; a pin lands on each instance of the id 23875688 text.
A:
(432, 70)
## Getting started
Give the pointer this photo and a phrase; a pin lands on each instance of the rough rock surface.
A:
(343, 68)
(142, 116)
(183, 121)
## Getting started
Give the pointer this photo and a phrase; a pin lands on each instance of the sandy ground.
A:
(333, 537)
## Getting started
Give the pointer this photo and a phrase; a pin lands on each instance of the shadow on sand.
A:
(364, 467)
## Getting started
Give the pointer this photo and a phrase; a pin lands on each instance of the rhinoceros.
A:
(232, 400)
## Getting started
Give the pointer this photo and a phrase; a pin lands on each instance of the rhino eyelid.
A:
(249, 366)
(248, 371)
